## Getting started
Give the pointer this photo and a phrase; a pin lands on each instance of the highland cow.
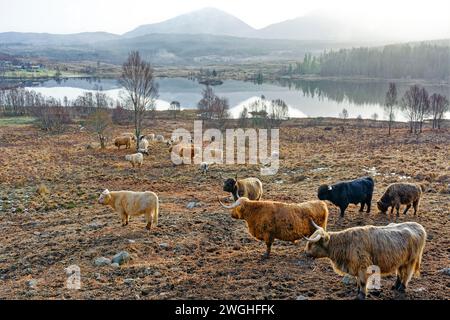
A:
(343, 193)
(129, 203)
(394, 249)
(250, 188)
(270, 220)
(397, 194)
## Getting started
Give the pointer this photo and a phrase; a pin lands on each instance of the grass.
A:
(14, 121)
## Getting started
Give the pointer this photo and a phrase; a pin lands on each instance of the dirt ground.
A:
(201, 252)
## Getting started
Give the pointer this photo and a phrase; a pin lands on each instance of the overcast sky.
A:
(429, 17)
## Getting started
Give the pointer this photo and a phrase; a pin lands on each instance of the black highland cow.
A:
(343, 193)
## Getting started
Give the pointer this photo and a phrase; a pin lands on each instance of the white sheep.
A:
(160, 138)
(143, 144)
(130, 203)
(135, 159)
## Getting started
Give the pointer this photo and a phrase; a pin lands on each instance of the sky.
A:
(430, 18)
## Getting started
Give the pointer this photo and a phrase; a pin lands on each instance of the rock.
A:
(121, 258)
(145, 291)
(128, 281)
(164, 245)
(191, 205)
(32, 283)
(95, 225)
(102, 261)
(348, 280)
(115, 265)
(300, 297)
(445, 271)
(157, 274)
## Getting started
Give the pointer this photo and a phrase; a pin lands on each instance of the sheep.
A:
(130, 203)
(143, 144)
(160, 138)
(394, 249)
(151, 136)
(123, 141)
(204, 167)
(400, 193)
(135, 159)
(270, 220)
(343, 193)
(250, 188)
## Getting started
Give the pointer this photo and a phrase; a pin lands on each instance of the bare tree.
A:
(374, 117)
(175, 108)
(220, 108)
(278, 112)
(243, 118)
(206, 103)
(390, 102)
(439, 105)
(410, 104)
(142, 90)
(424, 107)
(344, 116)
(99, 122)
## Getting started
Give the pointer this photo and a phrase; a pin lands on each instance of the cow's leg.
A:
(343, 208)
(407, 208)
(397, 283)
(269, 241)
(361, 209)
(416, 206)
(369, 203)
(361, 280)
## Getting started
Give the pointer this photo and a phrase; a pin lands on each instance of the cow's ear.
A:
(330, 188)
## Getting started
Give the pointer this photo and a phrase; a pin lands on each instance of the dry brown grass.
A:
(209, 255)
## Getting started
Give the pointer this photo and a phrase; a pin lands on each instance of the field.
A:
(201, 252)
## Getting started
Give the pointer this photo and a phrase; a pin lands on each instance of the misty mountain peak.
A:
(204, 21)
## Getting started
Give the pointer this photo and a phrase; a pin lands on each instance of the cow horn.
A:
(314, 224)
(315, 239)
(234, 205)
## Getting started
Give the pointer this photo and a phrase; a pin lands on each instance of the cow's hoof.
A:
(375, 293)
(360, 296)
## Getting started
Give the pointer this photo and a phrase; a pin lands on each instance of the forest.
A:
(414, 61)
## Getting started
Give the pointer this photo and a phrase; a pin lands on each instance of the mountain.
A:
(31, 38)
(204, 21)
(310, 27)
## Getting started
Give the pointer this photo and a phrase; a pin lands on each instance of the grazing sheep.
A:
(343, 193)
(250, 188)
(160, 138)
(123, 141)
(135, 159)
(401, 193)
(395, 249)
(130, 203)
(204, 167)
(143, 144)
(270, 220)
